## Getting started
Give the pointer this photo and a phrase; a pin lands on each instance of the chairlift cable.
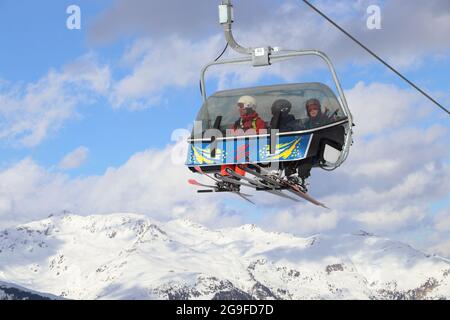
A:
(377, 57)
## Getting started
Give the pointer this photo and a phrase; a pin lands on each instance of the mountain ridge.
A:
(129, 256)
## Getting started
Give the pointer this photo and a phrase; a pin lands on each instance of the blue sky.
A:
(132, 52)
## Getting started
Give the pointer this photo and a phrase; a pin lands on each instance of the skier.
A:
(315, 116)
(248, 120)
(282, 119)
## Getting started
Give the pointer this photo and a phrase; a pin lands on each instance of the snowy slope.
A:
(10, 291)
(126, 256)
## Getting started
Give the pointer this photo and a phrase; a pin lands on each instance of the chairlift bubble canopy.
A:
(224, 104)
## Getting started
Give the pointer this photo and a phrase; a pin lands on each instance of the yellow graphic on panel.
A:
(203, 156)
(284, 151)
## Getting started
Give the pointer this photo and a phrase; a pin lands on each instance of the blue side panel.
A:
(249, 150)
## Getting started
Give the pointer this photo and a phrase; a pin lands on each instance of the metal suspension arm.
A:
(226, 19)
(260, 56)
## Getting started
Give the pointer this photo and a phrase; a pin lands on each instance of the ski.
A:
(198, 184)
(217, 188)
(277, 182)
(229, 180)
(255, 184)
(251, 181)
(199, 170)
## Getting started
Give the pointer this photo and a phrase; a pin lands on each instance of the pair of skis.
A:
(237, 181)
(219, 186)
(283, 184)
(263, 181)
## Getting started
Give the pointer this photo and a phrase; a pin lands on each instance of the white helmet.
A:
(247, 101)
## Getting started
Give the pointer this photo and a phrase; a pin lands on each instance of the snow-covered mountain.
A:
(126, 256)
(10, 291)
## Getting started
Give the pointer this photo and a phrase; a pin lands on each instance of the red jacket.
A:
(246, 122)
(251, 121)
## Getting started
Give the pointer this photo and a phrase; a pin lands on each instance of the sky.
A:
(88, 116)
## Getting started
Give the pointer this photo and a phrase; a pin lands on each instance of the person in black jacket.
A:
(283, 121)
(281, 118)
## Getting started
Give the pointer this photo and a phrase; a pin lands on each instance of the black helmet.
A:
(282, 106)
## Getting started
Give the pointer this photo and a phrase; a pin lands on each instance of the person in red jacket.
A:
(248, 120)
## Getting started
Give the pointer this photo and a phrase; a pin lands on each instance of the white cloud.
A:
(410, 29)
(369, 204)
(159, 65)
(147, 183)
(30, 112)
(394, 203)
(302, 220)
(166, 18)
(378, 107)
(442, 248)
(388, 219)
(375, 169)
(403, 41)
(170, 59)
(442, 222)
(393, 156)
(436, 237)
(74, 159)
(395, 172)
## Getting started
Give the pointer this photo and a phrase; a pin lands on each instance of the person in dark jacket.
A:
(281, 118)
(315, 116)
(283, 121)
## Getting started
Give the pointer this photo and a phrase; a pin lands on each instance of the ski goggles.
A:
(245, 106)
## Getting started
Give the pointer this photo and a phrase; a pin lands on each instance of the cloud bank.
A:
(30, 112)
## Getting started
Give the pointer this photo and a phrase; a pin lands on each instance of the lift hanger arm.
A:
(260, 56)
(226, 18)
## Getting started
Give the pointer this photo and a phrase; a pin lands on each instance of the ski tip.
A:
(198, 169)
(193, 182)
(246, 195)
(320, 204)
(250, 201)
